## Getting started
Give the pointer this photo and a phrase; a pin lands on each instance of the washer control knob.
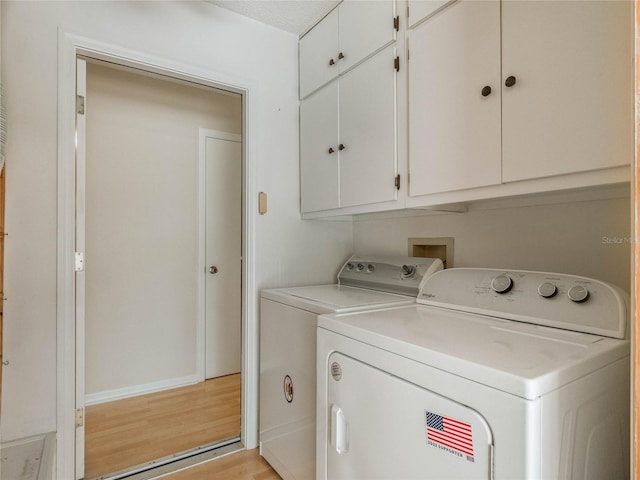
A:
(371, 267)
(501, 284)
(547, 290)
(360, 267)
(349, 266)
(578, 294)
(408, 271)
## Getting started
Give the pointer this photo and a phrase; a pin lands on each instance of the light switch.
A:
(262, 203)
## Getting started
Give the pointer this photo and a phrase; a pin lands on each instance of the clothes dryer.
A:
(491, 375)
(288, 324)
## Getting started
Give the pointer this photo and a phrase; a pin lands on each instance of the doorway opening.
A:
(159, 220)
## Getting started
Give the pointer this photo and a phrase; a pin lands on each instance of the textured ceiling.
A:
(295, 16)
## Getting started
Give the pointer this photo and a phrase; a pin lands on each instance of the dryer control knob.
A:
(360, 267)
(547, 290)
(501, 284)
(578, 294)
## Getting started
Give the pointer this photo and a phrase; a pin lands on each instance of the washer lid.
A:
(336, 298)
(522, 359)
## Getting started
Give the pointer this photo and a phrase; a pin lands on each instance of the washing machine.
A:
(491, 375)
(288, 324)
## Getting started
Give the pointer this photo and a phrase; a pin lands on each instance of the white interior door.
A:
(81, 89)
(223, 252)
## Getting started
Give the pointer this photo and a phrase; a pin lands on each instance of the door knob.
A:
(213, 269)
(510, 81)
(341, 147)
(486, 91)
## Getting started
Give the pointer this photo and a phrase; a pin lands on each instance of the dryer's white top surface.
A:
(518, 358)
(335, 298)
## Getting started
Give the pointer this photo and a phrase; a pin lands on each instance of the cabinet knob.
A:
(486, 91)
(510, 81)
(331, 62)
(340, 56)
(331, 150)
(341, 147)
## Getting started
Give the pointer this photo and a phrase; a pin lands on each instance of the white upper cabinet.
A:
(570, 108)
(519, 97)
(365, 26)
(349, 34)
(367, 132)
(454, 99)
(348, 138)
(348, 110)
(318, 54)
(493, 99)
(319, 138)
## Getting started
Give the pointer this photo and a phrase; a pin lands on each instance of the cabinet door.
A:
(570, 109)
(365, 26)
(318, 134)
(454, 131)
(367, 132)
(316, 50)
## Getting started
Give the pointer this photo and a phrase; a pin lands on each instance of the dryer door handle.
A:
(339, 430)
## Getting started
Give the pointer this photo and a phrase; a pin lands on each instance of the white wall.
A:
(589, 238)
(142, 225)
(288, 250)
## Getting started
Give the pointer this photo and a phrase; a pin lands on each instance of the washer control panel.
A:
(403, 275)
(556, 300)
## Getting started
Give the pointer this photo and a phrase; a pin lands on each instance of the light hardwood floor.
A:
(244, 465)
(137, 430)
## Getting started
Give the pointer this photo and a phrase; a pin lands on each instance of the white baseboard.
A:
(134, 391)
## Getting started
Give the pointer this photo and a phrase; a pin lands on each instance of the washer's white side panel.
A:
(382, 427)
(287, 406)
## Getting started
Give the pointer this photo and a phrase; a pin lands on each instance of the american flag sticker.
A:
(449, 434)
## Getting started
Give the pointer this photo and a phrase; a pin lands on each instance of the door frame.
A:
(70, 46)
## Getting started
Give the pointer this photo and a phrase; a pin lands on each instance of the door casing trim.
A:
(70, 46)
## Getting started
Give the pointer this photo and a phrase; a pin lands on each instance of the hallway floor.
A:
(134, 431)
(244, 465)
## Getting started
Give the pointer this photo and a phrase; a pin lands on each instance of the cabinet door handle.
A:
(510, 81)
(486, 91)
(331, 62)
(331, 150)
(341, 147)
(340, 56)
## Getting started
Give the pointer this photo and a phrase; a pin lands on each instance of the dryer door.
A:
(383, 427)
